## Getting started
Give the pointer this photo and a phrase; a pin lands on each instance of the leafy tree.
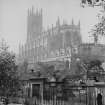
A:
(91, 68)
(99, 28)
(8, 70)
(92, 3)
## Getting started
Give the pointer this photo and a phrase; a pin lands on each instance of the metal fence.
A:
(66, 94)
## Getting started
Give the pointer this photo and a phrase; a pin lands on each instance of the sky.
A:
(13, 17)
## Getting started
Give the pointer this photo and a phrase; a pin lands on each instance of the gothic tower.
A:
(34, 24)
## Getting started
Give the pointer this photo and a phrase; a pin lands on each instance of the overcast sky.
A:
(13, 17)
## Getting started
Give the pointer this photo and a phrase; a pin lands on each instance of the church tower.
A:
(34, 24)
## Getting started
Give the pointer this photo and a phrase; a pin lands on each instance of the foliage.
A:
(99, 28)
(92, 2)
(92, 68)
(8, 70)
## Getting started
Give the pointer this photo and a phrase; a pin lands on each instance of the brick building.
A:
(56, 43)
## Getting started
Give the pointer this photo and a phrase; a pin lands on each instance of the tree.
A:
(92, 68)
(8, 70)
(99, 28)
(92, 3)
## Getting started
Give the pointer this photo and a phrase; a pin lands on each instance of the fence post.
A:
(41, 93)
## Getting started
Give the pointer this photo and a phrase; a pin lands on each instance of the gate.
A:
(61, 93)
(53, 94)
(58, 94)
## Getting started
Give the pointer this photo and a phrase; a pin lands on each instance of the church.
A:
(57, 43)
